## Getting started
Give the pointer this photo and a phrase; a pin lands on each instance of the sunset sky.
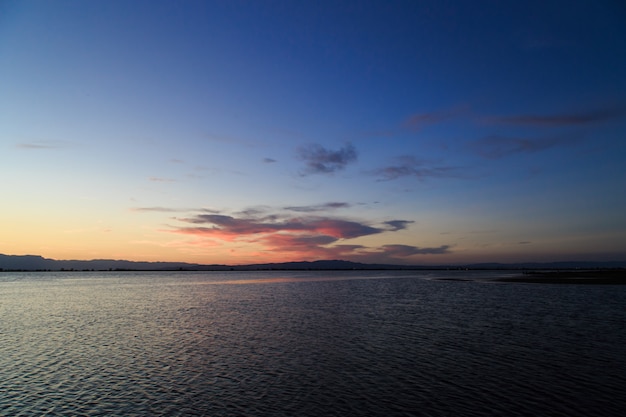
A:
(236, 132)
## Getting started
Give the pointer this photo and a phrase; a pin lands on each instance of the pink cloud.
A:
(281, 237)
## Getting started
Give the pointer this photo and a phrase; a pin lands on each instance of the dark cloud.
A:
(223, 225)
(316, 247)
(408, 166)
(395, 225)
(406, 250)
(319, 207)
(559, 120)
(253, 211)
(320, 160)
(494, 147)
(269, 160)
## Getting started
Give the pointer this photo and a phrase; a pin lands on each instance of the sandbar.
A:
(586, 277)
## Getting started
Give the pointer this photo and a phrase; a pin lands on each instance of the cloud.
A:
(409, 166)
(562, 120)
(395, 225)
(303, 249)
(313, 247)
(268, 160)
(494, 147)
(159, 179)
(156, 209)
(44, 144)
(228, 226)
(160, 209)
(302, 236)
(319, 207)
(418, 121)
(403, 251)
(296, 242)
(320, 160)
(386, 254)
(233, 140)
(253, 211)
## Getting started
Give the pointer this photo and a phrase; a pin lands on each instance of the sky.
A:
(239, 132)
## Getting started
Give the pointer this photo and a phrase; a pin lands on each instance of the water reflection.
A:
(307, 344)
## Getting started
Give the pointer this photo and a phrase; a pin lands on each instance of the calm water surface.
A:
(308, 344)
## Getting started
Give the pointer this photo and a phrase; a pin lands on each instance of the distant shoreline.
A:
(584, 277)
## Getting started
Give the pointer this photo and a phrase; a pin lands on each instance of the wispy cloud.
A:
(418, 121)
(44, 144)
(494, 147)
(234, 140)
(562, 120)
(160, 209)
(160, 179)
(268, 160)
(318, 207)
(409, 166)
(155, 209)
(320, 160)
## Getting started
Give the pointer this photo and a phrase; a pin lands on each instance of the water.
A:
(307, 344)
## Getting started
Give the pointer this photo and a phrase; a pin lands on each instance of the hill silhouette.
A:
(39, 263)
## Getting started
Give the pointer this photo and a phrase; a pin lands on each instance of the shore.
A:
(588, 277)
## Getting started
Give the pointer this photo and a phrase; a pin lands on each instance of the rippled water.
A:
(307, 344)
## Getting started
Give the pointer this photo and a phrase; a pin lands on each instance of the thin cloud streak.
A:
(562, 120)
(418, 121)
(156, 209)
(44, 144)
(408, 166)
(495, 147)
(319, 207)
(160, 209)
(160, 179)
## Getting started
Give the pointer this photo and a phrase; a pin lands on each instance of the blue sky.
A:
(415, 132)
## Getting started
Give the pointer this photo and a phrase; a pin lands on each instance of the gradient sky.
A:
(235, 132)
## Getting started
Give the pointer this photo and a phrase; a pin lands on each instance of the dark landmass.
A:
(39, 263)
(594, 277)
